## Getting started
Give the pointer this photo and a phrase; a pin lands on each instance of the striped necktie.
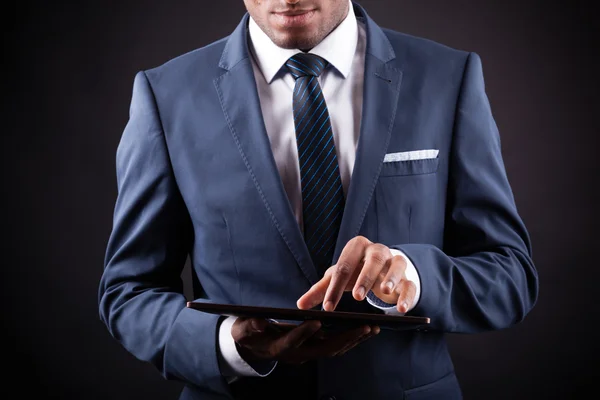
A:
(322, 194)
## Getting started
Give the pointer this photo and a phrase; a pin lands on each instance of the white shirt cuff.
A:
(231, 363)
(411, 275)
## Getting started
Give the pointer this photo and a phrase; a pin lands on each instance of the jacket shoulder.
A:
(424, 51)
(204, 59)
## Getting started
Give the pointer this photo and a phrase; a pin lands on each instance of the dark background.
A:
(68, 74)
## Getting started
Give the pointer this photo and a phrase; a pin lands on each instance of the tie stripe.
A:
(322, 194)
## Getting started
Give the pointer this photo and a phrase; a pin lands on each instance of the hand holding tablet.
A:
(296, 336)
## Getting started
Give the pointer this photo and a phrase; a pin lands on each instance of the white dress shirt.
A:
(342, 86)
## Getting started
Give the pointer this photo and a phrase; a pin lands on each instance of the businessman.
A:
(313, 159)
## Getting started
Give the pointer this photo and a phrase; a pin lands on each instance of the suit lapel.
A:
(380, 99)
(241, 106)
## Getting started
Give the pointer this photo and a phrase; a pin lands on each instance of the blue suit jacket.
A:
(196, 176)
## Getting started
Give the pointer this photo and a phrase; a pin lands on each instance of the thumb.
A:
(258, 325)
(244, 328)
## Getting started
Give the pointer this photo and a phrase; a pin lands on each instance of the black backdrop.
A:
(68, 75)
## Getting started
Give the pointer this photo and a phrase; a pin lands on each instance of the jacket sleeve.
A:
(484, 277)
(141, 297)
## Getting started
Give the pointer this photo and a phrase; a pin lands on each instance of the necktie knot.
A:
(305, 64)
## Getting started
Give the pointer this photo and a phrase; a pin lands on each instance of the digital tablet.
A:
(329, 319)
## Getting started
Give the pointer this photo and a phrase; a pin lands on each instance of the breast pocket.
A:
(409, 201)
(410, 167)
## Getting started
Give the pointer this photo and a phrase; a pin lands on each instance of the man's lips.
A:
(295, 18)
(291, 12)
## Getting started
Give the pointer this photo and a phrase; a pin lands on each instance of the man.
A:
(313, 159)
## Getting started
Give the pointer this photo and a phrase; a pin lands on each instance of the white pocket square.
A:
(411, 155)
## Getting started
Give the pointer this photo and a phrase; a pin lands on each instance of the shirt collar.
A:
(337, 48)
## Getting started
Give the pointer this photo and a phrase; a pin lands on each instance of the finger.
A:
(406, 290)
(374, 331)
(316, 293)
(282, 327)
(297, 336)
(244, 328)
(394, 274)
(344, 269)
(332, 343)
(339, 341)
(353, 344)
(376, 258)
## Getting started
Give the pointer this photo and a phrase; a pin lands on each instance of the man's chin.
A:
(294, 43)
